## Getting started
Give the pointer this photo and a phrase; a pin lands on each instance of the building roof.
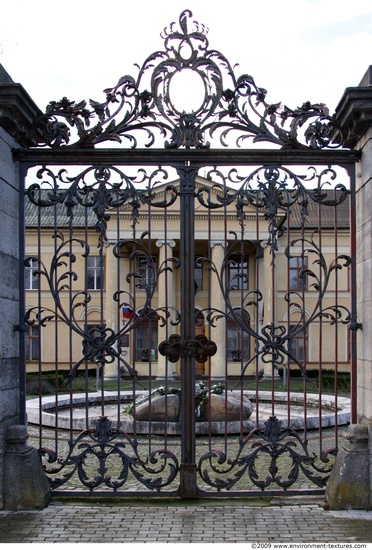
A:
(324, 215)
(316, 215)
(57, 215)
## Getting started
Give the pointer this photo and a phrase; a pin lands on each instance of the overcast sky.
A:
(299, 50)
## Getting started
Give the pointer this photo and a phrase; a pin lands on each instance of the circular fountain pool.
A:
(55, 413)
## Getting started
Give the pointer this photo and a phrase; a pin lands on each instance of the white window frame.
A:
(33, 338)
(238, 342)
(241, 267)
(145, 272)
(95, 272)
(32, 282)
(299, 280)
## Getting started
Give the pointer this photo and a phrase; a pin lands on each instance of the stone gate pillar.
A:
(354, 465)
(17, 112)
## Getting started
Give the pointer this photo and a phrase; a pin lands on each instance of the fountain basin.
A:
(224, 406)
(53, 414)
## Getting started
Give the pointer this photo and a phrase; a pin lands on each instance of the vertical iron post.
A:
(353, 291)
(187, 176)
(22, 298)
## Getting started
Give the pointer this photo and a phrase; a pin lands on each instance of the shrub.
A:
(327, 378)
(34, 387)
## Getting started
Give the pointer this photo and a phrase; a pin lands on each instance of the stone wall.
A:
(350, 484)
(9, 310)
(364, 279)
(16, 111)
(354, 114)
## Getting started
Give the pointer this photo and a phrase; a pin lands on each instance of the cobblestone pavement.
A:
(255, 521)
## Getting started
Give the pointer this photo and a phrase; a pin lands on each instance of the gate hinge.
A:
(20, 328)
(355, 326)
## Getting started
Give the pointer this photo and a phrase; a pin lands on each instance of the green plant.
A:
(35, 387)
(325, 379)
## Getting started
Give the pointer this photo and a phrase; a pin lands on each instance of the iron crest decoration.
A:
(114, 455)
(275, 443)
(234, 109)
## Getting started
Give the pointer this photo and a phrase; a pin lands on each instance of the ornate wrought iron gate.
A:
(193, 300)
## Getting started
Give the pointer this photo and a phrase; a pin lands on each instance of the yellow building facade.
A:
(245, 285)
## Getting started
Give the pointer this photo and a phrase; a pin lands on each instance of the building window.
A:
(95, 271)
(297, 275)
(33, 343)
(32, 277)
(147, 271)
(298, 347)
(146, 339)
(238, 272)
(238, 342)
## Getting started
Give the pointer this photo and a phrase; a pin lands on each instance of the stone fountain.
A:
(57, 412)
(211, 405)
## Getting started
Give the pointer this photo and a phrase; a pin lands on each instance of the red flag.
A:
(128, 313)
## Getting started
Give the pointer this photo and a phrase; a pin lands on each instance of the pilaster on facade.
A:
(166, 298)
(115, 281)
(218, 332)
(269, 317)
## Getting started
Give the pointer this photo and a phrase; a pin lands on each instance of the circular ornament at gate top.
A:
(187, 91)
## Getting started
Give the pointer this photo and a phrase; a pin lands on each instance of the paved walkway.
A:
(254, 521)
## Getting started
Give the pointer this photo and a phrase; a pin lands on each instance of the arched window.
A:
(238, 341)
(146, 338)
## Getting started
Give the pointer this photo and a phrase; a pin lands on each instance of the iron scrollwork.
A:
(275, 191)
(272, 190)
(98, 189)
(92, 194)
(232, 105)
(99, 345)
(287, 457)
(106, 456)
